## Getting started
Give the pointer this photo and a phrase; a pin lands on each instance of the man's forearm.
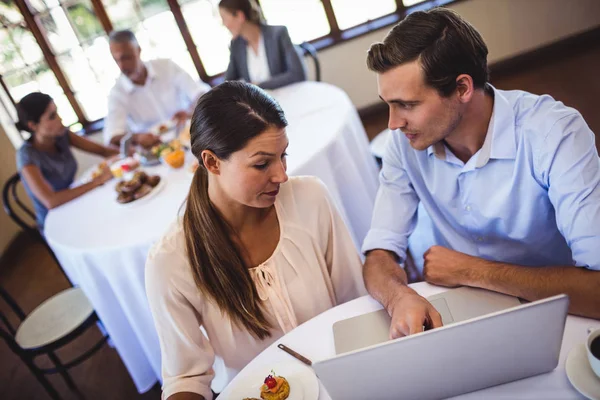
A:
(116, 140)
(384, 278)
(534, 283)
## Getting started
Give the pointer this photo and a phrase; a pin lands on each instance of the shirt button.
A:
(468, 208)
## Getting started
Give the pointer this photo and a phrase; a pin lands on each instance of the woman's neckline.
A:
(278, 214)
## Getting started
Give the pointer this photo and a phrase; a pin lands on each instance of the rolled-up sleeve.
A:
(187, 356)
(395, 212)
(571, 171)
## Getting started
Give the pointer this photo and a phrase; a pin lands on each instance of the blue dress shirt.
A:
(530, 196)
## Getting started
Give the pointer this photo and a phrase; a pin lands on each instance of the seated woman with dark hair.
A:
(45, 161)
(261, 54)
(256, 253)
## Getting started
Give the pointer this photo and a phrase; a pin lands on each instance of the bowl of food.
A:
(174, 159)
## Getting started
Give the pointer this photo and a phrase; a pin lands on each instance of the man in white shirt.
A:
(146, 94)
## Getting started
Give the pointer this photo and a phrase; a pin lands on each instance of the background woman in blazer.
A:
(261, 54)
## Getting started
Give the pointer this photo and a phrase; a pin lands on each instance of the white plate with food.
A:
(163, 127)
(301, 382)
(141, 188)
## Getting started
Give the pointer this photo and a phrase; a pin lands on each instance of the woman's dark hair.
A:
(31, 108)
(224, 120)
(445, 45)
(249, 8)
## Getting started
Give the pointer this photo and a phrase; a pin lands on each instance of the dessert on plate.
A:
(275, 388)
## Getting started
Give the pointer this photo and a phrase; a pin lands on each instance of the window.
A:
(80, 46)
(22, 65)
(61, 46)
(210, 36)
(305, 19)
(408, 3)
(154, 27)
(349, 13)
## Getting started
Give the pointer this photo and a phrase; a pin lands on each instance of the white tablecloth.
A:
(103, 245)
(314, 340)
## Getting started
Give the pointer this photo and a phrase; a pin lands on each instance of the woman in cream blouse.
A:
(255, 254)
(261, 54)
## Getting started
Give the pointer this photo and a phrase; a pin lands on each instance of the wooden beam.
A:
(336, 33)
(42, 41)
(187, 37)
(102, 15)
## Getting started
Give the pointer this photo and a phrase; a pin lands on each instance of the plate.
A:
(168, 127)
(580, 373)
(147, 197)
(303, 381)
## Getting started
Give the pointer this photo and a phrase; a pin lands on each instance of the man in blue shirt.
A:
(510, 180)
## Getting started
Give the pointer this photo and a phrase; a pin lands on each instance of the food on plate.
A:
(162, 128)
(174, 158)
(153, 180)
(98, 171)
(164, 148)
(125, 165)
(275, 388)
(137, 187)
(142, 191)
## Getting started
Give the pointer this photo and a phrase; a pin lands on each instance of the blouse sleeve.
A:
(341, 254)
(187, 356)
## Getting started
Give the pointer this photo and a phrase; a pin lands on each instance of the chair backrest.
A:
(309, 49)
(12, 203)
(6, 328)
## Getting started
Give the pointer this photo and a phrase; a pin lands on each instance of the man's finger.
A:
(436, 318)
(416, 322)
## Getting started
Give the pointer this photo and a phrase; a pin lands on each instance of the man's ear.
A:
(211, 162)
(464, 88)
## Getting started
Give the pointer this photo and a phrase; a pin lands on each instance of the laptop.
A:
(454, 305)
(458, 358)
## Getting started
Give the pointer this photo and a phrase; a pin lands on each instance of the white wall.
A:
(509, 27)
(8, 229)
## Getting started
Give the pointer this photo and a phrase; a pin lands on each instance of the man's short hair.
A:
(123, 36)
(445, 45)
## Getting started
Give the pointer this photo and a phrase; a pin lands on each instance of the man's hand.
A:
(411, 313)
(146, 140)
(445, 267)
(181, 117)
(386, 282)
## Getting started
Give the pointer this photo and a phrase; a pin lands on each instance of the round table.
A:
(314, 340)
(102, 245)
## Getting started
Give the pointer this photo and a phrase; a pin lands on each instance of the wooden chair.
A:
(18, 211)
(56, 322)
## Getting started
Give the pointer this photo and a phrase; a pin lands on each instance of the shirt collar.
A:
(129, 86)
(500, 137)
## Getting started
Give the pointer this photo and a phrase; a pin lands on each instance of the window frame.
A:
(336, 36)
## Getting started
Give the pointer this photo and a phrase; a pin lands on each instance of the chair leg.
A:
(41, 379)
(65, 374)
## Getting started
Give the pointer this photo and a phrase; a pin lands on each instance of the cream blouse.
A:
(314, 267)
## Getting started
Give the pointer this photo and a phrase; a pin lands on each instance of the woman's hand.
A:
(104, 176)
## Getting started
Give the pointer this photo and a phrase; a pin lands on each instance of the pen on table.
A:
(295, 354)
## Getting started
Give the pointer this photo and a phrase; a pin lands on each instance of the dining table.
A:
(102, 245)
(314, 340)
